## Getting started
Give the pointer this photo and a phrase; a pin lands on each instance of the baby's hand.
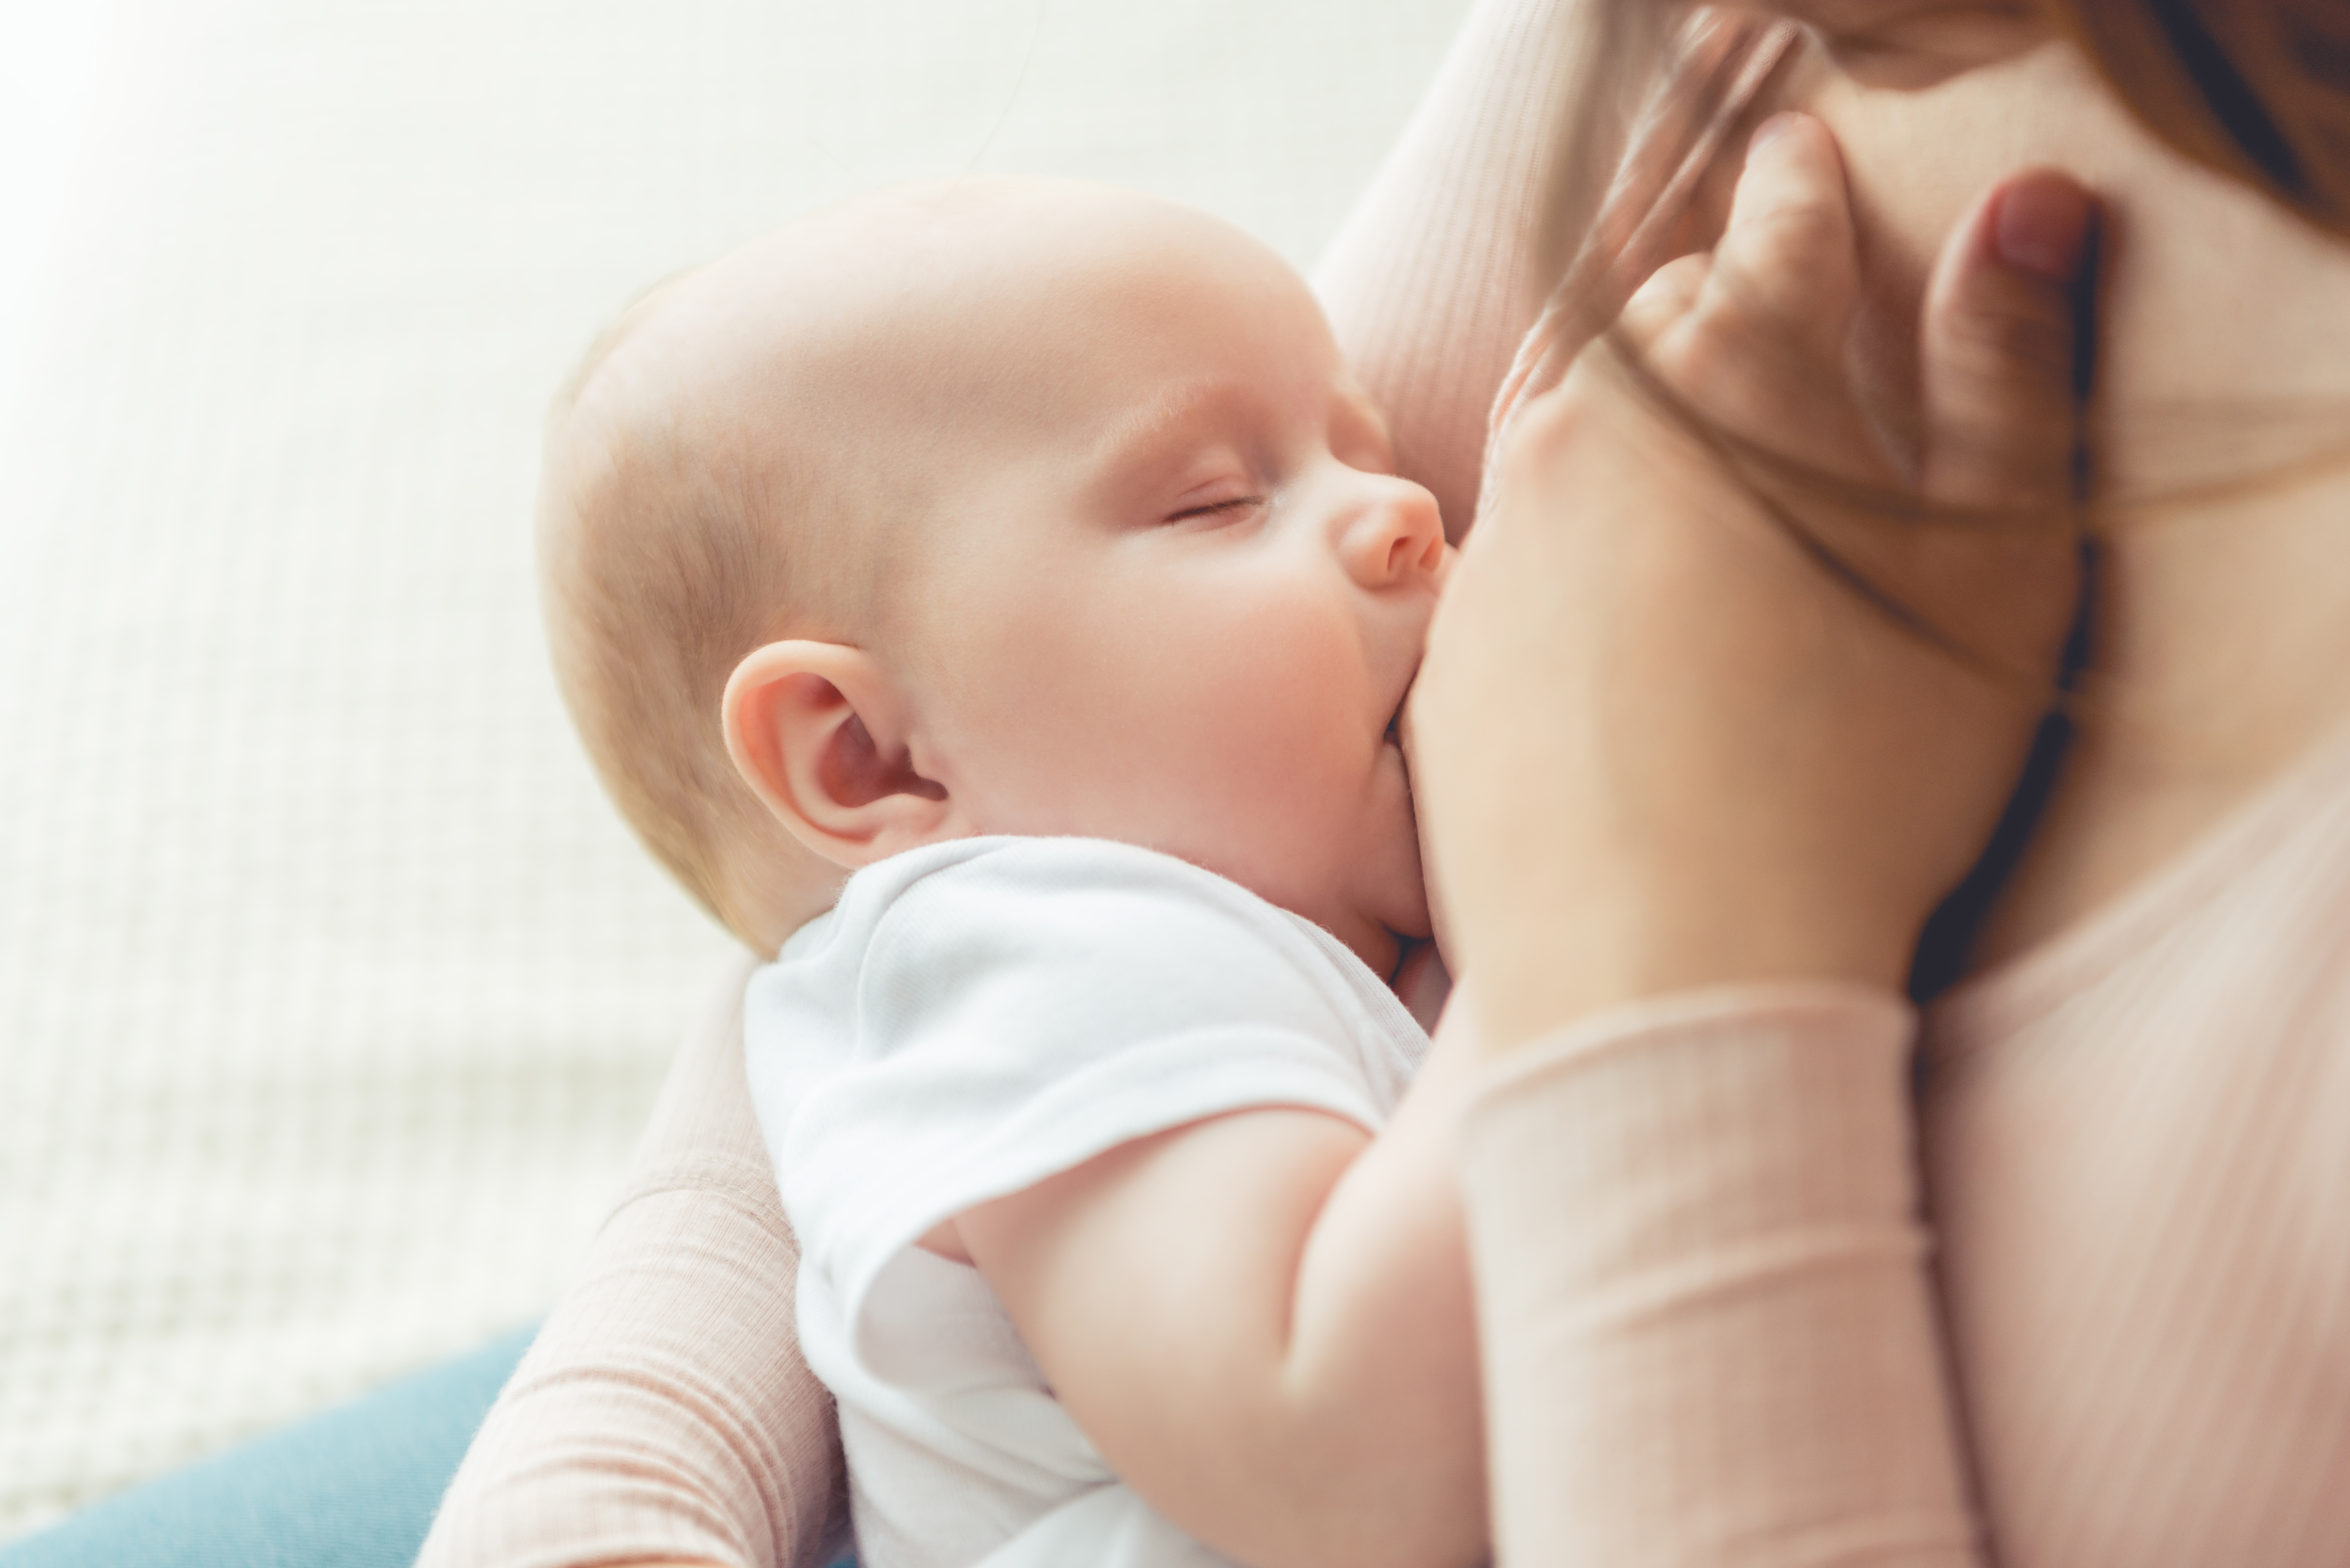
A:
(1692, 715)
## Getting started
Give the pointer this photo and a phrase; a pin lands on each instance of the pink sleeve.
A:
(1709, 1325)
(1429, 284)
(1449, 286)
(664, 1413)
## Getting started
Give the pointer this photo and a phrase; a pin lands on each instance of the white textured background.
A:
(331, 992)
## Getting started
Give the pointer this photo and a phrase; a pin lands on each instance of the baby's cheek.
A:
(1240, 695)
(1309, 748)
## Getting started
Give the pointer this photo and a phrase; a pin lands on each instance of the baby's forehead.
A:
(938, 325)
(920, 281)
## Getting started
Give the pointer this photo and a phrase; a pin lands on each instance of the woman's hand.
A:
(1657, 742)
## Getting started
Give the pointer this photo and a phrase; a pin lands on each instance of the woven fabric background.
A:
(331, 991)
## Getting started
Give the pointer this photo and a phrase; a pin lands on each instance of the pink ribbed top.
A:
(2136, 1144)
(1717, 1337)
(663, 1413)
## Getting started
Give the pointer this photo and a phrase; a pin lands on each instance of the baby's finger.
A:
(1998, 376)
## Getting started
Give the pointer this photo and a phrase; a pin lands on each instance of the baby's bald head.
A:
(761, 449)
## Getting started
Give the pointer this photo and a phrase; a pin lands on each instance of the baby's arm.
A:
(1263, 1321)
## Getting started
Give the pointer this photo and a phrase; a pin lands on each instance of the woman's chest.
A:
(2140, 1187)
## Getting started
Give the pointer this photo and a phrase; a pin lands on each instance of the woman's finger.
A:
(1762, 350)
(1999, 381)
(1658, 603)
(1786, 266)
(1671, 292)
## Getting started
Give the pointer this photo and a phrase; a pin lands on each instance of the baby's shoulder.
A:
(1040, 934)
(1062, 899)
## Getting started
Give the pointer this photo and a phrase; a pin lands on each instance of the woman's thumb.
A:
(2001, 371)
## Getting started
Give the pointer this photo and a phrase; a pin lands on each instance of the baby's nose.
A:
(1394, 535)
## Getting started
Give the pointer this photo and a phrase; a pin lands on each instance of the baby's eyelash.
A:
(1213, 507)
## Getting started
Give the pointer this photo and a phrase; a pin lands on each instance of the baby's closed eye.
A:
(1229, 506)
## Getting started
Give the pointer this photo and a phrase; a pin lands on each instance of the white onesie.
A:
(970, 1019)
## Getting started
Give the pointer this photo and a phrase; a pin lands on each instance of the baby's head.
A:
(992, 508)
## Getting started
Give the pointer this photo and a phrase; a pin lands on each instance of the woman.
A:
(1711, 1336)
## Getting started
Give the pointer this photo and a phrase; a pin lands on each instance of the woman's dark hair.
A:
(2259, 89)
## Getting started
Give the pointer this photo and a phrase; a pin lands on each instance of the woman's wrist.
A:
(1582, 957)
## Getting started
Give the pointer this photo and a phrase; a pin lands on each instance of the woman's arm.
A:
(1786, 673)
(664, 1414)
(1430, 282)
(1443, 267)
(1702, 1275)
(1689, 797)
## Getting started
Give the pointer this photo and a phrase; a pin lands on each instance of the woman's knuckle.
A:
(1546, 426)
(1999, 335)
(1811, 218)
(1746, 342)
(1792, 237)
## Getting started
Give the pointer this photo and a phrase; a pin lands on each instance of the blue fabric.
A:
(354, 1487)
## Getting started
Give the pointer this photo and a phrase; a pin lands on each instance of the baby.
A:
(998, 598)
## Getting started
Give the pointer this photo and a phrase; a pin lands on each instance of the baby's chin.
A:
(1407, 905)
(1422, 982)
(1397, 924)
(1408, 918)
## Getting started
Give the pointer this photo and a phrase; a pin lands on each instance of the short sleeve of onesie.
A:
(969, 1020)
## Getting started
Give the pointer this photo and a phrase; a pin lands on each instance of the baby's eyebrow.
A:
(1141, 429)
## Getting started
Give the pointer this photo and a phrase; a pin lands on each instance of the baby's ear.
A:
(815, 729)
